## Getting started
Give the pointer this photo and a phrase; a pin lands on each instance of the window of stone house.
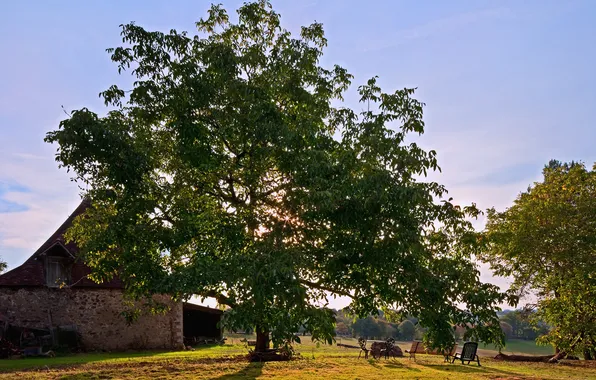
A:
(56, 274)
(56, 267)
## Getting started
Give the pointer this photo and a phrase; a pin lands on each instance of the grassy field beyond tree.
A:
(522, 347)
(322, 361)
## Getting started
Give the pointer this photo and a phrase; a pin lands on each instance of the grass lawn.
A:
(225, 362)
(523, 347)
(513, 346)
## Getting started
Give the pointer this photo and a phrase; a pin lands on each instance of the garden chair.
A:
(362, 343)
(468, 353)
(450, 353)
(389, 345)
(415, 347)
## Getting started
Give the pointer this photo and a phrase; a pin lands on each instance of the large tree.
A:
(3, 266)
(227, 172)
(546, 241)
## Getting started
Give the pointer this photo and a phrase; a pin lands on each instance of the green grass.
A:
(522, 347)
(121, 357)
(514, 346)
(322, 361)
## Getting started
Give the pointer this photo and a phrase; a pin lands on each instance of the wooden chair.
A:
(416, 346)
(362, 343)
(451, 353)
(468, 353)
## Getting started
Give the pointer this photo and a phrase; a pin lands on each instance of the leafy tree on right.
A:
(546, 241)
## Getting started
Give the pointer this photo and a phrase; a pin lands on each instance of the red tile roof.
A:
(30, 273)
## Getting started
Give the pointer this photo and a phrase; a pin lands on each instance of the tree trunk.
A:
(262, 340)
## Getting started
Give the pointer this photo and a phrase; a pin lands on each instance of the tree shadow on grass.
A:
(392, 364)
(70, 360)
(117, 359)
(401, 366)
(251, 371)
(455, 368)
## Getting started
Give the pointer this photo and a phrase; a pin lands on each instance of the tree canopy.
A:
(547, 242)
(524, 324)
(232, 170)
(3, 266)
(407, 330)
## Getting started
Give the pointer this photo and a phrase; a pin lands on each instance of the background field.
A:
(526, 347)
(514, 346)
(316, 361)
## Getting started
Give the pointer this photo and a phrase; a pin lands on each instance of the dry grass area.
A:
(226, 362)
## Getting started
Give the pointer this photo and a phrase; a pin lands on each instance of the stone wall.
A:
(97, 315)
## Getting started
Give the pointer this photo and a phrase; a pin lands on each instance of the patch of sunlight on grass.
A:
(315, 362)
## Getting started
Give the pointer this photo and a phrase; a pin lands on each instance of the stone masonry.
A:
(97, 315)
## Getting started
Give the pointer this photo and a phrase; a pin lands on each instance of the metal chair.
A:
(389, 345)
(468, 353)
(362, 343)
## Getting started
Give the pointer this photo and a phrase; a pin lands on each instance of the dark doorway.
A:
(200, 322)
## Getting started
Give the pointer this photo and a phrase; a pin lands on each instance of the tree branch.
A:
(165, 216)
(221, 299)
(317, 285)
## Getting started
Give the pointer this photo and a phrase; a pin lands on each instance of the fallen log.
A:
(347, 346)
(557, 357)
(527, 358)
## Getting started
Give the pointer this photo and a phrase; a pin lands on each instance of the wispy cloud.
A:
(6, 186)
(435, 27)
(29, 156)
(36, 198)
(7, 205)
(506, 175)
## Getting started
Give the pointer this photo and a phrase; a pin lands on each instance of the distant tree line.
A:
(377, 327)
(520, 324)
(516, 324)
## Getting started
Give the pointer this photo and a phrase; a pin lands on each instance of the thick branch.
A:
(228, 147)
(220, 195)
(221, 299)
(231, 189)
(165, 215)
(320, 286)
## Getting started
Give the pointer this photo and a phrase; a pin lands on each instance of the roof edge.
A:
(81, 208)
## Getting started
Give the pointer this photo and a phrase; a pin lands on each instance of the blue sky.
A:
(508, 85)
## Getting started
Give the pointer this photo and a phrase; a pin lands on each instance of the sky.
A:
(508, 85)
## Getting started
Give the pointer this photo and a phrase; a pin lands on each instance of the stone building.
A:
(31, 297)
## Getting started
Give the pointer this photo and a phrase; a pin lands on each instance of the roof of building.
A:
(206, 309)
(31, 272)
